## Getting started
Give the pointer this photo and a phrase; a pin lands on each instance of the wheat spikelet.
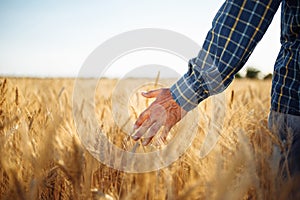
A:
(17, 97)
(231, 99)
(42, 158)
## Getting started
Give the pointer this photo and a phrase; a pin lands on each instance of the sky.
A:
(54, 38)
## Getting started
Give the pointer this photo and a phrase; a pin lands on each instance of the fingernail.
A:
(135, 127)
(135, 137)
(144, 143)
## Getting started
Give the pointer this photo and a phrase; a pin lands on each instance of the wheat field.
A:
(43, 158)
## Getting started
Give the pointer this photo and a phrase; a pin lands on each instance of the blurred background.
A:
(53, 38)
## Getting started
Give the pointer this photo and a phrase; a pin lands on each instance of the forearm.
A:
(236, 30)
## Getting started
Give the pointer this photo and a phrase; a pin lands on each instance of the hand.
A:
(164, 111)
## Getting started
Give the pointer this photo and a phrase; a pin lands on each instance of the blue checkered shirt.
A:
(236, 29)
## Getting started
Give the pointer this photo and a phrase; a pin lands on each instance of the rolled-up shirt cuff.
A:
(184, 93)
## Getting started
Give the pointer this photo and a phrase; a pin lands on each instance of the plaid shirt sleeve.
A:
(236, 29)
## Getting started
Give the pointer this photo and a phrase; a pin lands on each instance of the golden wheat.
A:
(42, 157)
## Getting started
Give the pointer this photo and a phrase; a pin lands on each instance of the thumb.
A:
(151, 93)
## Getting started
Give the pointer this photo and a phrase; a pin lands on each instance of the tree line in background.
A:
(253, 73)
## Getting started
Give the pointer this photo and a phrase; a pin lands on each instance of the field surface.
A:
(42, 156)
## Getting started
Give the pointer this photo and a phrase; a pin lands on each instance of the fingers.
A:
(165, 133)
(151, 93)
(147, 140)
(143, 129)
(141, 119)
(154, 116)
(153, 129)
(152, 132)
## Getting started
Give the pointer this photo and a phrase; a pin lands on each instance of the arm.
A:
(236, 29)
